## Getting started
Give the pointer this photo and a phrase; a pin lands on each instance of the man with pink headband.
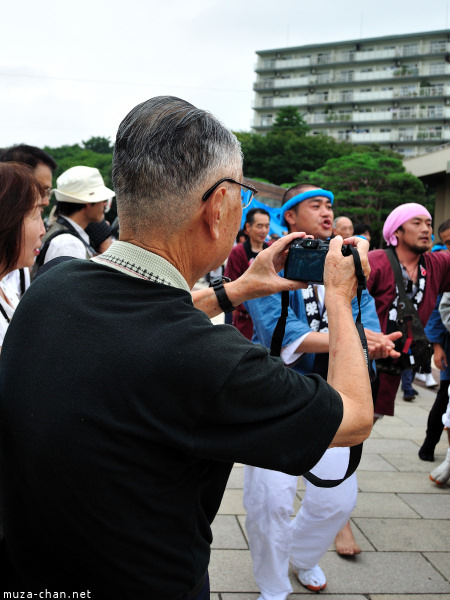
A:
(408, 231)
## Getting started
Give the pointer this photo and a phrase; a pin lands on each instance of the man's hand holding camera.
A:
(339, 273)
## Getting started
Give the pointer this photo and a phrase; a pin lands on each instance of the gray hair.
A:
(165, 150)
(337, 219)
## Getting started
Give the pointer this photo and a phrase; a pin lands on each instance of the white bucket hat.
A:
(82, 185)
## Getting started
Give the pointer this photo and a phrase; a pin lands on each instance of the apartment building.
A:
(393, 91)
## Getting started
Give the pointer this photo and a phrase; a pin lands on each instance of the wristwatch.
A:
(222, 298)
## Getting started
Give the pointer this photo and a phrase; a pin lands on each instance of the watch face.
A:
(215, 281)
(219, 281)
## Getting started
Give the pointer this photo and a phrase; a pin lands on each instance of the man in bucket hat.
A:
(408, 231)
(81, 199)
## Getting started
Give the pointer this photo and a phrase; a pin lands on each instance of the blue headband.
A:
(304, 196)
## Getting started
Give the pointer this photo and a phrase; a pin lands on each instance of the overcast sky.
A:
(72, 70)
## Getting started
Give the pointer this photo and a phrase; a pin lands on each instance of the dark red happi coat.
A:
(381, 285)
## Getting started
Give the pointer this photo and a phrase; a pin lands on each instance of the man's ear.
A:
(213, 211)
(399, 231)
(290, 215)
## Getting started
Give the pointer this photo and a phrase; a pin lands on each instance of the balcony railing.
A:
(344, 56)
(376, 55)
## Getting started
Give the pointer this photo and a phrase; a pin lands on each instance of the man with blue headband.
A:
(275, 540)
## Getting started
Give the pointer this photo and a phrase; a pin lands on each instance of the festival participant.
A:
(257, 225)
(441, 474)
(274, 538)
(407, 230)
(343, 226)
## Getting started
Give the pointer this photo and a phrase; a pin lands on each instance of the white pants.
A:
(275, 539)
(446, 415)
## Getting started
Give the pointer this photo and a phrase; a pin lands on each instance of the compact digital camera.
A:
(306, 259)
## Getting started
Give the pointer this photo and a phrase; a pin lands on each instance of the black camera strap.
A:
(275, 350)
(280, 328)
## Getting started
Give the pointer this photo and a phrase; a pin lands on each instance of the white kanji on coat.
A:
(311, 309)
(308, 293)
(393, 314)
(418, 297)
(422, 283)
(314, 324)
(325, 317)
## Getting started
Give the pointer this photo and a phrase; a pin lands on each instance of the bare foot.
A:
(345, 542)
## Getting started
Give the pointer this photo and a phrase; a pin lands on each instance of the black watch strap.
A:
(222, 298)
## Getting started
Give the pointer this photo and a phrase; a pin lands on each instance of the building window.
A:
(409, 49)
(321, 97)
(406, 112)
(435, 111)
(347, 55)
(268, 63)
(323, 77)
(267, 101)
(437, 68)
(323, 58)
(406, 91)
(405, 134)
(347, 75)
(436, 47)
(408, 151)
(429, 133)
(347, 95)
(266, 120)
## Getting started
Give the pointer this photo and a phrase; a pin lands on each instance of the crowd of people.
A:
(113, 466)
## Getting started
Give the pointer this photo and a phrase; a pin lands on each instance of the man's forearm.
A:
(315, 342)
(348, 373)
(206, 300)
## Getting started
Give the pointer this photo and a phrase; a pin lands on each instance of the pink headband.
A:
(400, 215)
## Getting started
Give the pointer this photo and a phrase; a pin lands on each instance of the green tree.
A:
(289, 118)
(99, 144)
(368, 186)
(281, 154)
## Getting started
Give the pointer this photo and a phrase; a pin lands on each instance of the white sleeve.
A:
(289, 354)
(65, 244)
(444, 309)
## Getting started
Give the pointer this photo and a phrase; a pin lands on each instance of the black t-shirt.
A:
(122, 409)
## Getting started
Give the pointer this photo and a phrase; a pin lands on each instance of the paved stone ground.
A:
(402, 523)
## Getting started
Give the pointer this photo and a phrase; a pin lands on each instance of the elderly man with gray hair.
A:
(115, 466)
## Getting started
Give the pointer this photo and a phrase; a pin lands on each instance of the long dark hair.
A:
(19, 191)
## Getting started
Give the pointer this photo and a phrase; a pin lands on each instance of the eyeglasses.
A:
(48, 192)
(246, 194)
